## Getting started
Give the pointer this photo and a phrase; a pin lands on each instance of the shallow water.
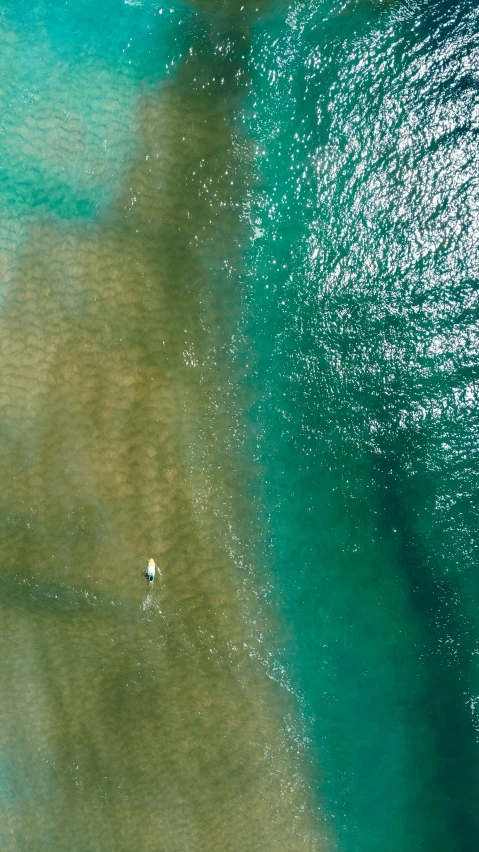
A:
(238, 334)
(130, 719)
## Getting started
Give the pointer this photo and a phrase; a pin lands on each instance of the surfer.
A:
(150, 570)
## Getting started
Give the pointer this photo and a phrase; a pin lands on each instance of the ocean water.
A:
(362, 303)
(238, 333)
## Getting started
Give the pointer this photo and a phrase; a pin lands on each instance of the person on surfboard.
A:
(150, 570)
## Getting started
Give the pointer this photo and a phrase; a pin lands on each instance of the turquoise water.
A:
(362, 302)
(238, 249)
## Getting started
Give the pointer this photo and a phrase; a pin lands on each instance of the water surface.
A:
(362, 300)
(130, 720)
(239, 334)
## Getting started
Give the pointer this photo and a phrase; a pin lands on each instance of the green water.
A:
(239, 334)
(362, 300)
